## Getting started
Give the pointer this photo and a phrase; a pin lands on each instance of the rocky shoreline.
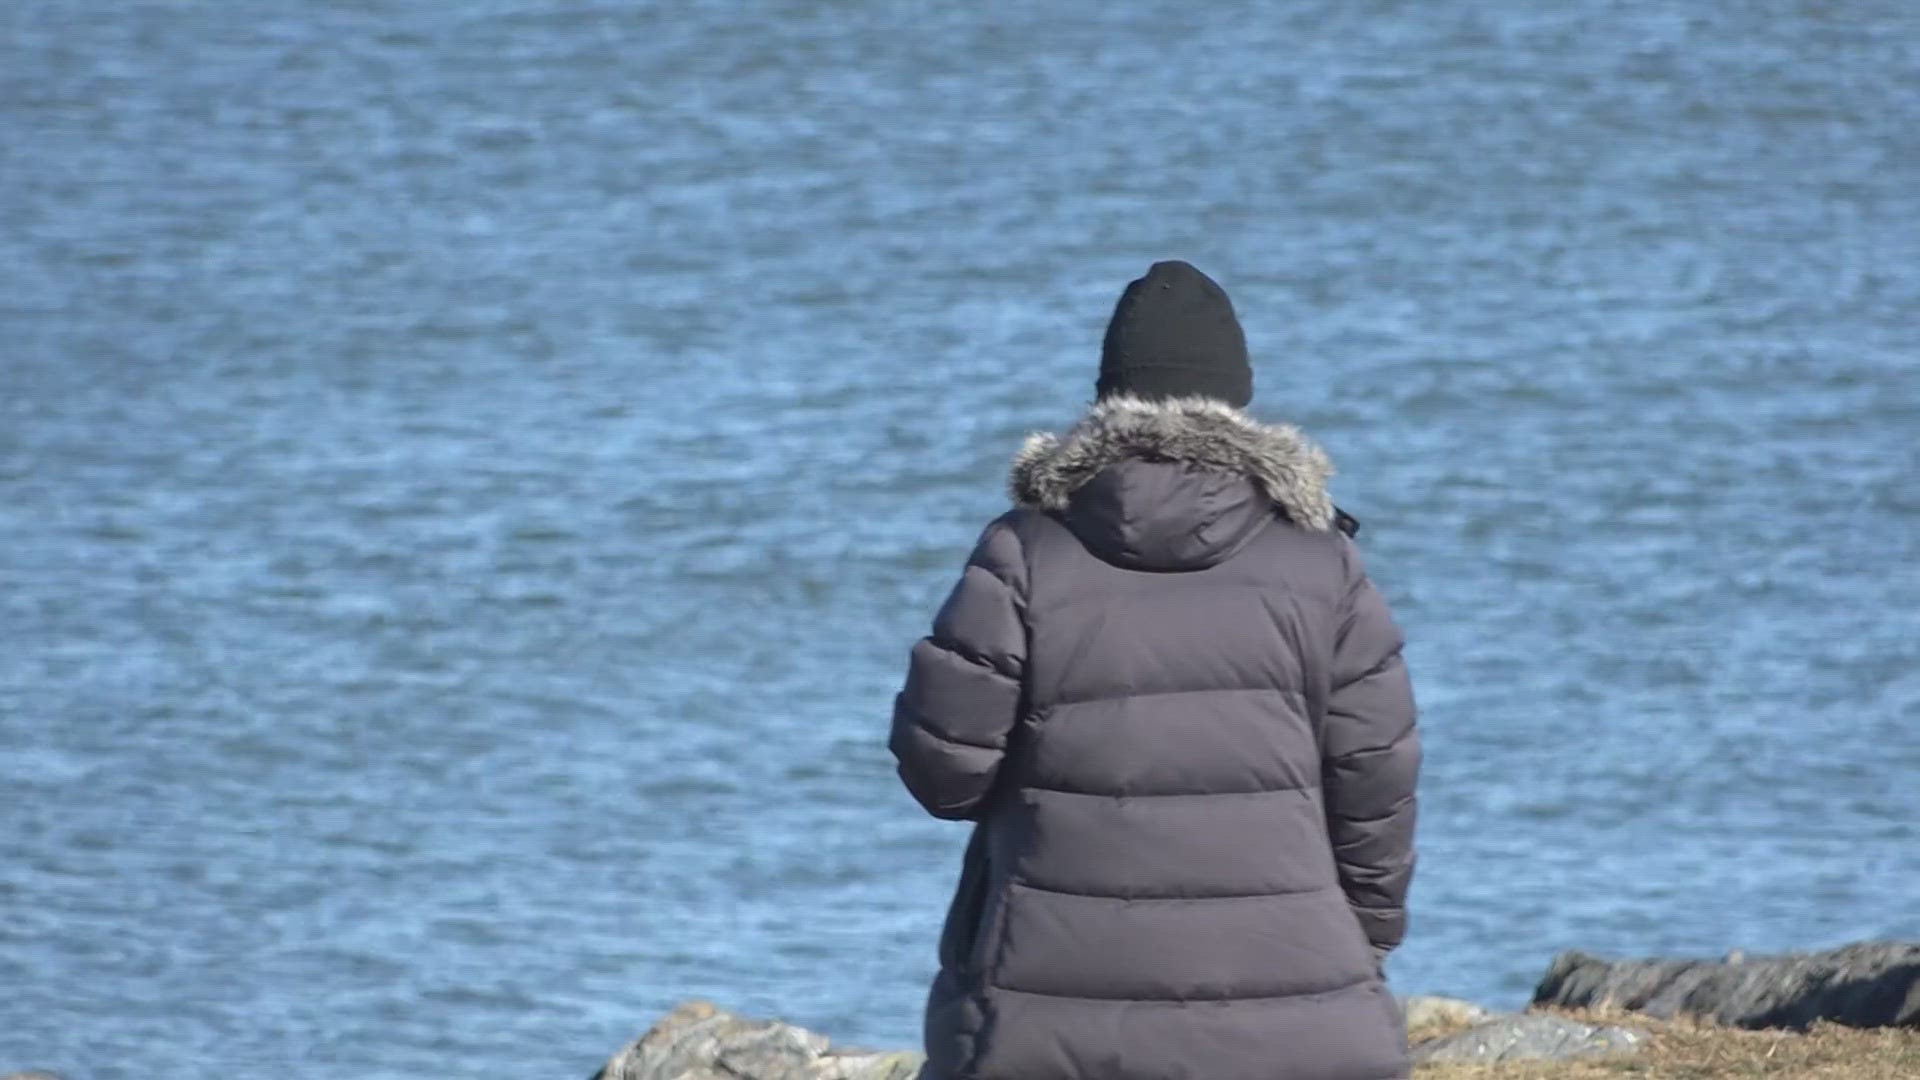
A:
(1868, 985)
(1865, 986)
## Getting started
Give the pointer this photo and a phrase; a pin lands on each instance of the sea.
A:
(471, 472)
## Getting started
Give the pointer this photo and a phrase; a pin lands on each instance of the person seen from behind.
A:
(1174, 708)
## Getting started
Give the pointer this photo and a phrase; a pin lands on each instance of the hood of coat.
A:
(1173, 484)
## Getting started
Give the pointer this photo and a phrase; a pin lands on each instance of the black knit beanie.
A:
(1174, 334)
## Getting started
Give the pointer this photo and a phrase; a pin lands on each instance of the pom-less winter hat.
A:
(1173, 334)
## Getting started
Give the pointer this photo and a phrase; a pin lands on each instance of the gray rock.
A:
(1530, 1038)
(1868, 985)
(1426, 1012)
(699, 1042)
(31, 1074)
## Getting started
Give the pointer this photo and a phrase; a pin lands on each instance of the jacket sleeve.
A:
(964, 686)
(1371, 760)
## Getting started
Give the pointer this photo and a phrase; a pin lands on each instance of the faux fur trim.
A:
(1280, 460)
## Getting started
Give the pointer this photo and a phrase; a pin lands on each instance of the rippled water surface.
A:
(470, 473)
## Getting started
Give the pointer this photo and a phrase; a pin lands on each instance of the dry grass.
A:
(1684, 1050)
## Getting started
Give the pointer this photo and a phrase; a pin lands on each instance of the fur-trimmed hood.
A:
(1279, 460)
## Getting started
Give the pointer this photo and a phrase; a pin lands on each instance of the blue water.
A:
(470, 474)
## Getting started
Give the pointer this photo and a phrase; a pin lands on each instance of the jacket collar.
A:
(1279, 460)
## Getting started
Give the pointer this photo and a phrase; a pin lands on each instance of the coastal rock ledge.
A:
(1530, 1038)
(699, 1042)
(696, 1041)
(1875, 984)
(1868, 985)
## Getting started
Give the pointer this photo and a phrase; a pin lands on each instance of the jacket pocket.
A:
(962, 929)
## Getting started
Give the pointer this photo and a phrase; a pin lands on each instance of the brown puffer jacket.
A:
(1174, 705)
